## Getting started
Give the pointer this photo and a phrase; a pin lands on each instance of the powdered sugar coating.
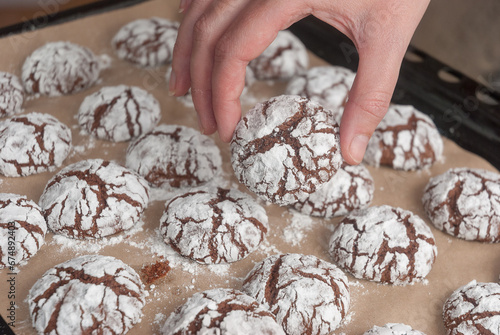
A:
(350, 188)
(465, 203)
(59, 68)
(146, 42)
(174, 156)
(221, 311)
(32, 143)
(307, 294)
(384, 244)
(406, 139)
(94, 198)
(393, 329)
(91, 294)
(214, 225)
(284, 58)
(21, 223)
(119, 113)
(327, 85)
(11, 94)
(285, 148)
(473, 309)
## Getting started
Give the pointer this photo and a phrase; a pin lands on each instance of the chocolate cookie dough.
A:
(11, 94)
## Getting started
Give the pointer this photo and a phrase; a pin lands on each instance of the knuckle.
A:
(202, 28)
(375, 105)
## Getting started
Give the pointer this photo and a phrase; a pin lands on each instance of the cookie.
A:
(174, 156)
(11, 94)
(22, 229)
(327, 85)
(350, 188)
(214, 225)
(59, 68)
(93, 198)
(91, 294)
(146, 42)
(307, 294)
(284, 58)
(285, 148)
(473, 309)
(465, 203)
(119, 113)
(393, 329)
(384, 244)
(32, 143)
(221, 311)
(406, 139)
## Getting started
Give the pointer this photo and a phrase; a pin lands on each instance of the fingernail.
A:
(182, 6)
(200, 126)
(171, 83)
(358, 147)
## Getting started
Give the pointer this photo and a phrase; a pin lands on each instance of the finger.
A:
(184, 5)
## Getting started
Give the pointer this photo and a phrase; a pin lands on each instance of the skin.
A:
(218, 38)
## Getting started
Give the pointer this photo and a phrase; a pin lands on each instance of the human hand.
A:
(218, 38)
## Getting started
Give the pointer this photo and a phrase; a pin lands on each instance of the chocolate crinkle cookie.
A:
(119, 113)
(285, 148)
(393, 329)
(214, 225)
(473, 309)
(11, 94)
(284, 58)
(350, 188)
(59, 68)
(465, 203)
(174, 156)
(146, 42)
(221, 311)
(384, 244)
(22, 229)
(307, 295)
(32, 143)
(90, 294)
(406, 139)
(94, 198)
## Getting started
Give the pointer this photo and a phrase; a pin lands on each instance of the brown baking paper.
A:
(418, 305)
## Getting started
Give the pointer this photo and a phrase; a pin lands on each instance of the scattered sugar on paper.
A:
(299, 225)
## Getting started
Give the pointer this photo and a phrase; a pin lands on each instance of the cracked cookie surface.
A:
(307, 295)
(221, 311)
(465, 203)
(384, 244)
(93, 198)
(119, 113)
(146, 42)
(11, 94)
(393, 329)
(214, 225)
(90, 294)
(285, 148)
(32, 143)
(59, 68)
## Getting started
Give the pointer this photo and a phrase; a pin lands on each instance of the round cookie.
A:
(393, 329)
(350, 188)
(307, 294)
(406, 139)
(93, 198)
(59, 68)
(146, 42)
(221, 311)
(32, 143)
(214, 225)
(119, 113)
(465, 203)
(11, 94)
(284, 58)
(285, 148)
(174, 156)
(384, 244)
(22, 229)
(327, 85)
(91, 294)
(473, 309)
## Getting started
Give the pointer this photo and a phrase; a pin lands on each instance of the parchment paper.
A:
(419, 305)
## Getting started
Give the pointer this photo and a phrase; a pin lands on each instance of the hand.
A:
(217, 39)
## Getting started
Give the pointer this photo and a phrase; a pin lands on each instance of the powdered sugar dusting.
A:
(11, 94)
(298, 226)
